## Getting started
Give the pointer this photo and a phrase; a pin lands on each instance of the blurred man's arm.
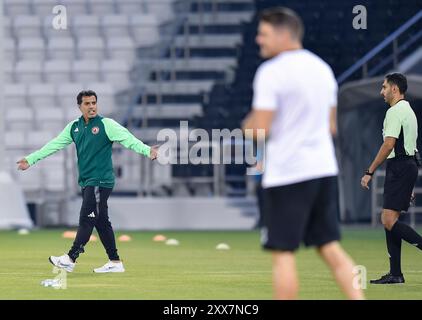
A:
(333, 121)
(258, 119)
(58, 143)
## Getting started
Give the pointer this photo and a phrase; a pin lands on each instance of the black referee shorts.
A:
(400, 179)
(302, 212)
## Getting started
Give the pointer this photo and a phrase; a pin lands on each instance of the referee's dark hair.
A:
(284, 17)
(399, 80)
(85, 93)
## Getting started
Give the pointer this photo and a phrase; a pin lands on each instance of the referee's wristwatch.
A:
(368, 173)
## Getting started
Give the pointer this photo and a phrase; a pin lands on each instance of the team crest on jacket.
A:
(95, 130)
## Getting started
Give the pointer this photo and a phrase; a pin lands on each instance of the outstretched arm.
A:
(118, 133)
(58, 143)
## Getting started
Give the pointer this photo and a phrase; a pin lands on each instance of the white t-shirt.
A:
(301, 89)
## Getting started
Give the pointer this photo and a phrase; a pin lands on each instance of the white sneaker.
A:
(62, 262)
(111, 267)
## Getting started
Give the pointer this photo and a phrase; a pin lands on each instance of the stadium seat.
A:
(116, 72)
(31, 180)
(101, 7)
(121, 48)
(86, 26)
(9, 50)
(115, 26)
(43, 8)
(17, 7)
(130, 6)
(29, 71)
(71, 112)
(85, 71)
(61, 48)
(91, 48)
(7, 27)
(66, 94)
(42, 95)
(49, 119)
(31, 49)
(105, 94)
(144, 28)
(75, 7)
(19, 118)
(55, 175)
(163, 9)
(57, 71)
(36, 139)
(50, 31)
(15, 140)
(15, 95)
(27, 26)
(9, 72)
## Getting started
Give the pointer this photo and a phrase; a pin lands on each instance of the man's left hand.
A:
(365, 181)
(154, 152)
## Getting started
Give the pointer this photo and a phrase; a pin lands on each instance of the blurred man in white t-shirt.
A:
(295, 98)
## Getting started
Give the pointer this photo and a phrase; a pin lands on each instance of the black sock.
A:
(394, 251)
(409, 235)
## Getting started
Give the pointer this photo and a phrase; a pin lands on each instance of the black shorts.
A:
(302, 212)
(400, 179)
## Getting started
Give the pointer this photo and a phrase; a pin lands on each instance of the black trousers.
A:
(94, 213)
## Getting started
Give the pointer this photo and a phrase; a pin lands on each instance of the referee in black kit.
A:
(400, 133)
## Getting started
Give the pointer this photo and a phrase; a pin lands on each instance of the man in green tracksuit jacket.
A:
(93, 136)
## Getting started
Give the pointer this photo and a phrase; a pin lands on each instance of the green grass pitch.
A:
(192, 270)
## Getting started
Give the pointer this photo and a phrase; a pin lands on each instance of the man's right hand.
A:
(23, 164)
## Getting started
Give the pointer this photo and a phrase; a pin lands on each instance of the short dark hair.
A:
(284, 17)
(85, 93)
(399, 80)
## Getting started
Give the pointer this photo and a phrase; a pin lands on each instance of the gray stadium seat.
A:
(115, 26)
(9, 72)
(57, 71)
(27, 26)
(86, 26)
(105, 93)
(101, 7)
(29, 71)
(17, 7)
(38, 138)
(116, 72)
(91, 48)
(43, 8)
(49, 119)
(50, 30)
(121, 48)
(71, 112)
(144, 28)
(19, 118)
(75, 7)
(42, 95)
(9, 46)
(85, 71)
(66, 94)
(31, 48)
(7, 25)
(130, 6)
(15, 94)
(61, 48)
